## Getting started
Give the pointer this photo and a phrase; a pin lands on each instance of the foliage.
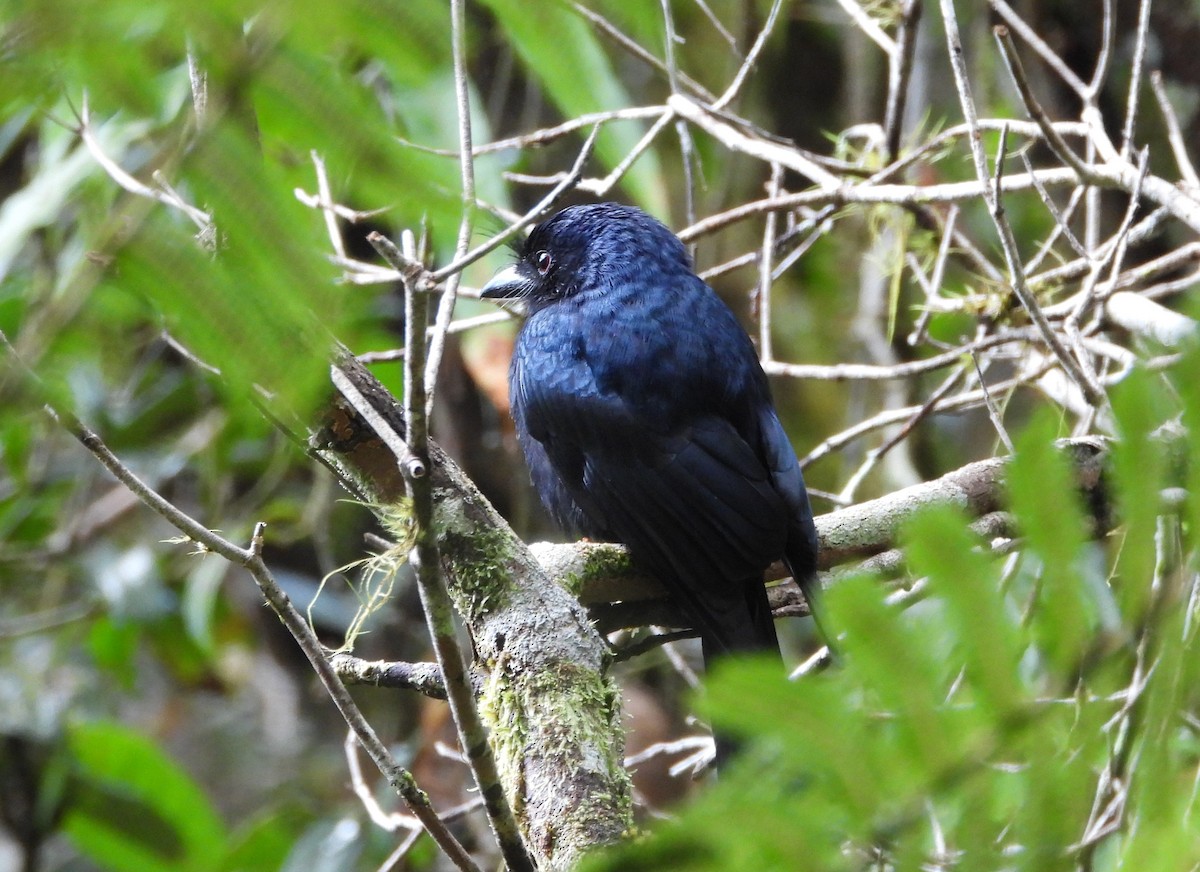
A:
(1005, 721)
(1033, 704)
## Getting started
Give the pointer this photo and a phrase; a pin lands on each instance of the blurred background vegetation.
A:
(153, 715)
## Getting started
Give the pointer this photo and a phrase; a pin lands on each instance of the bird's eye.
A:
(544, 261)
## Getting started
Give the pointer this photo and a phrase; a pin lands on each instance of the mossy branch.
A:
(551, 710)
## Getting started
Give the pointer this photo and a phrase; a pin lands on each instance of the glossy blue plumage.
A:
(646, 418)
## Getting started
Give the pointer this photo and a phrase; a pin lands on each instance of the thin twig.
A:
(751, 58)
(1135, 78)
(1009, 51)
(721, 29)
(765, 274)
(686, 146)
(992, 196)
(958, 402)
(326, 205)
(620, 38)
(1052, 60)
(1108, 19)
(867, 25)
(736, 140)
(883, 372)
(601, 187)
(466, 170)
(88, 134)
(900, 61)
(1174, 135)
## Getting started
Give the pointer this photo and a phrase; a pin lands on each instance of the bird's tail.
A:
(754, 635)
(806, 579)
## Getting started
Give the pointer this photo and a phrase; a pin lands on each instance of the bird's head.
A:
(586, 248)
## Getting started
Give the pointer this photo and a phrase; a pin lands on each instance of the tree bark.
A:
(552, 710)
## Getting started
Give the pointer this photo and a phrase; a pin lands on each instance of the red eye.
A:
(544, 261)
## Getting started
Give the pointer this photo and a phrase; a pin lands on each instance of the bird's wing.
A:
(800, 553)
(784, 470)
(695, 504)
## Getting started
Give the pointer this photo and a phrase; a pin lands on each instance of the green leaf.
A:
(113, 646)
(1138, 470)
(940, 546)
(895, 660)
(1045, 500)
(263, 842)
(134, 809)
(250, 309)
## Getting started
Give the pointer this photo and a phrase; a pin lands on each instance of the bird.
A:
(646, 419)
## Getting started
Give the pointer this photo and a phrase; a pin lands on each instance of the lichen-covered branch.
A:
(552, 711)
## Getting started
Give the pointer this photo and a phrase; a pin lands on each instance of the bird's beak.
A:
(506, 285)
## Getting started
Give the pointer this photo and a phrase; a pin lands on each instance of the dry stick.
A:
(326, 205)
(1135, 78)
(686, 146)
(900, 62)
(995, 203)
(814, 225)
(1017, 70)
(751, 58)
(620, 38)
(1061, 217)
(1107, 21)
(846, 495)
(897, 195)
(1118, 173)
(1113, 258)
(765, 351)
(86, 133)
(736, 140)
(460, 326)
(877, 372)
(940, 141)
(466, 169)
(721, 29)
(1039, 45)
(550, 134)
(993, 412)
(409, 269)
(965, 400)
(935, 280)
(1174, 135)
(390, 821)
(867, 25)
(398, 777)
(601, 187)
(1141, 231)
(435, 600)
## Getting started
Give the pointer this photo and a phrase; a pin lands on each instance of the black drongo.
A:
(646, 419)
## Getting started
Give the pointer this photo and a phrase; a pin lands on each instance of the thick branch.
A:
(619, 595)
(553, 715)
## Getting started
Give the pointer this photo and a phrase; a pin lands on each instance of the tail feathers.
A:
(806, 579)
(754, 634)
